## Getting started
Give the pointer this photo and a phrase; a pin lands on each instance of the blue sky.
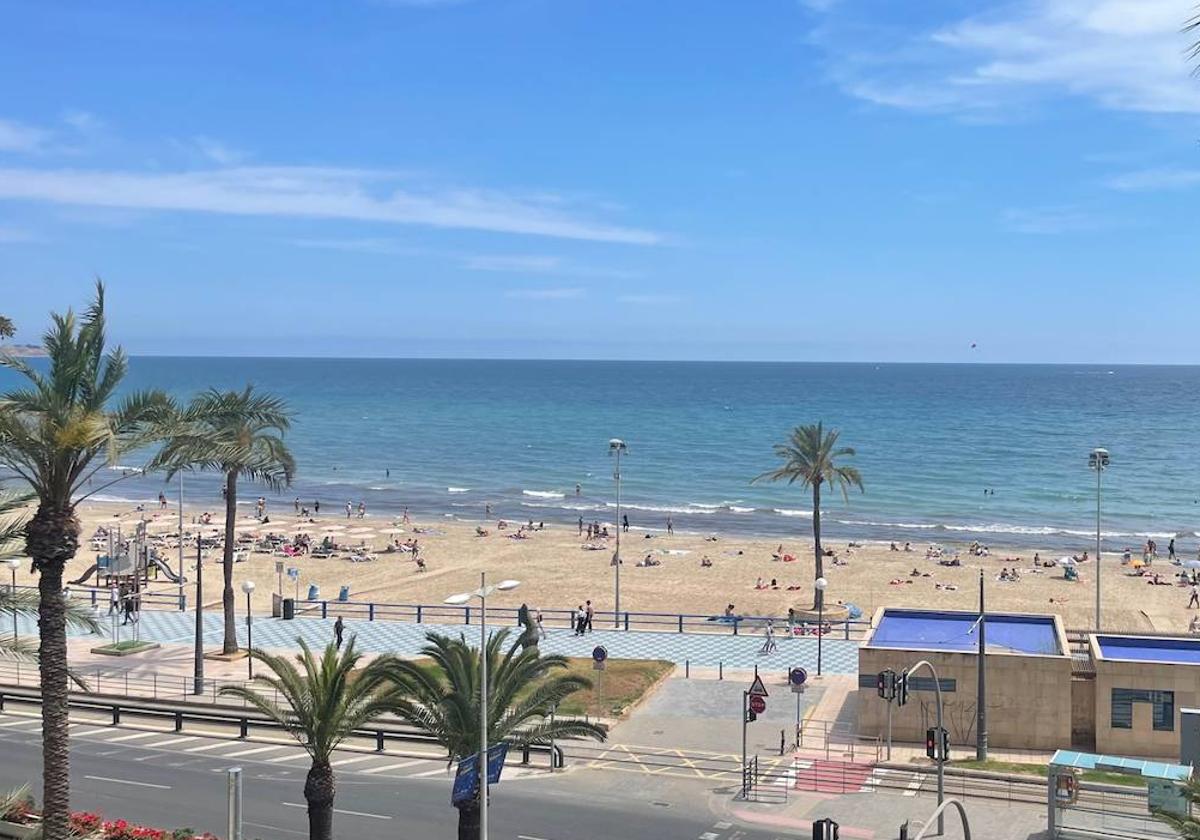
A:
(778, 179)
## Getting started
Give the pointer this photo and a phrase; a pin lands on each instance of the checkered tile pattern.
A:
(701, 650)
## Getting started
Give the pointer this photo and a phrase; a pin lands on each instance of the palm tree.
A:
(7, 330)
(524, 688)
(323, 702)
(811, 457)
(56, 433)
(240, 435)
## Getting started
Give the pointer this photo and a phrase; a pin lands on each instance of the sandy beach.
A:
(556, 572)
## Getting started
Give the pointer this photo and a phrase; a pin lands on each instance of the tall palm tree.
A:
(56, 433)
(811, 457)
(442, 699)
(323, 702)
(240, 435)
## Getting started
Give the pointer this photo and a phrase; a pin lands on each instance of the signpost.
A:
(754, 703)
(797, 679)
(599, 657)
(466, 778)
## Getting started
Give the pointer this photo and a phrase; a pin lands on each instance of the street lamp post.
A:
(616, 446)
(180, 572)
(482, 594)
(1098, 461)
(248, 588)
(981, 733)
(198, 664)
(941, 763)
(820, 583)
(13, 564)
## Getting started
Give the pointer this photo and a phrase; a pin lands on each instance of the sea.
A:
(948, 453)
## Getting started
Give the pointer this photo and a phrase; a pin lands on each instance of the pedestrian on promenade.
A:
(114, 598)
(769, 644)
(625, 522)
(588, 614)
(338, 628)
(127, 609)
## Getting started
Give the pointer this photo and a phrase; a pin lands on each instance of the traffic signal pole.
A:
(941, 761)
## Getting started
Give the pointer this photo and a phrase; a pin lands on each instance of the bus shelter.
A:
(1078, 809)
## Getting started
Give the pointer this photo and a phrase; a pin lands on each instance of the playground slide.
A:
(86, 575)
(165, 570)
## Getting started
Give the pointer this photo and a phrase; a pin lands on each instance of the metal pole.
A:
(483, 709)
(820, 626)
(745, 723)
(981, 733)
(249, 638)
(198, 678)
(13, 591)
(180, 571)
(617, 556)
(1099, 471)
(234, 776)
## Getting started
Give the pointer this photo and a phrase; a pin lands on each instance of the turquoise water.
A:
(446, 437)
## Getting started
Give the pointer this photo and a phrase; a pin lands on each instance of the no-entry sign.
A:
(757, 704)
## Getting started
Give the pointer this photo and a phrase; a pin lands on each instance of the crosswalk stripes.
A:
(136, 736)
(441, 770)
(342, 762)
(397, 766)
(253, 751)
(171, 741)
(31, 722)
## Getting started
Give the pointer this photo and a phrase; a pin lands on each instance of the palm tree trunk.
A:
(818, 595)
(468, 820)
(230, 645)
(52, 537)
(319, 791)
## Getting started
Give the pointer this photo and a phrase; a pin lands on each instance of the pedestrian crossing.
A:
(268, 752)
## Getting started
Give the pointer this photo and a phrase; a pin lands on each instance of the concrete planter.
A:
(18, 831)
(141, 647)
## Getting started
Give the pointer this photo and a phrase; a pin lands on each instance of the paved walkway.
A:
(702, 650)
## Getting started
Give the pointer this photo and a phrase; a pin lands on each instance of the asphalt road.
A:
(170, 788)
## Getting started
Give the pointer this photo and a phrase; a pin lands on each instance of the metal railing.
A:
(625, 620)
(99, 598)
(117, 709)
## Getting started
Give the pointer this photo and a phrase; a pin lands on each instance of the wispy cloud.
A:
(218, 152)
(649, 299)
(13, 235)
(361, 246)
(567, 293)
(18, 137)
(313, 192)
(1145, 180)
(1125, 55)
(1053, 220)
(542, 264)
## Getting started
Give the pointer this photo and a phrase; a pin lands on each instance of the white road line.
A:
(288, 757)
(170, 741)
(387, 767)
(127, 782)
(254, 751)
(341, 811)
(204, 747)
(441, 770)
(83, 733)
(529, 837)
(34, 721)
(723, 826)
(135, 736)
(342, 762)
(915, 785)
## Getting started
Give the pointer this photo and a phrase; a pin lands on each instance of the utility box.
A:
(1189, 737)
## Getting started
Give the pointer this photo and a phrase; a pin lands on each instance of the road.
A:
(144, 778)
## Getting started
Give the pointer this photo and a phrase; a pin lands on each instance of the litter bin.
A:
(289, 609)
(314, 592)
(344, 593)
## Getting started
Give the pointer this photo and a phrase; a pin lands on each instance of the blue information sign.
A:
(466, 779)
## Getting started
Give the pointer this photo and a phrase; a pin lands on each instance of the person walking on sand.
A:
(296, 505)
(581, 526)
(670, 527)
(316, 507)
(625, 522)
(1171, 550)
(349, 509)
(1194, 601)
(338, 628)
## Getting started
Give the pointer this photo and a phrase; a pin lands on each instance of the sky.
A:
(858, 180)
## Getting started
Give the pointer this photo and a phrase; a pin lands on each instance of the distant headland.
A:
(22, 350)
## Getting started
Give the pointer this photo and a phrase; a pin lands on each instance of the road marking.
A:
(82, 733)
(170, 741)
(915, 785)
(204, 747)
(19, 722)
(135, 736)
(127, 782)
(387, 767)
(342, 762)
(254, 751)
(723, 826)
(441, 770)
(287, 757)
(341, 811)
(530, 837)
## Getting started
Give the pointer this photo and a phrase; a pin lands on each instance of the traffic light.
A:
(751, 716)
(885, 684)
(825, 829)
(901, 690)
(937, 743)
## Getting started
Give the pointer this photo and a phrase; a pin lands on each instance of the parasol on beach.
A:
(1067, 561)
(1191, 564)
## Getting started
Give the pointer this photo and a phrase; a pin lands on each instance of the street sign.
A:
(599, 657)
(466, 779)
(757, 689)
(797, 677)
(757, 704)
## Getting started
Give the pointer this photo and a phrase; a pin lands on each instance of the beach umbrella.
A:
(1191, 564)
(1067, 561)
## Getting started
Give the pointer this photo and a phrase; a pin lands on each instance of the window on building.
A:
(1162, 704)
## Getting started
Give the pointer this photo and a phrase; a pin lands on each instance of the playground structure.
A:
(127, 561)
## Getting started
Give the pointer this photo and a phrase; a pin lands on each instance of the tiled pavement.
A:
(703, 650)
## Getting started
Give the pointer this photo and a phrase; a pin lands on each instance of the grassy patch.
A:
(621, 684)
(125, 647)
(1041, 770)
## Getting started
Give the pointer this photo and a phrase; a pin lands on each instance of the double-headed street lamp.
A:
(13, 564)
(248, 588)
(482, 594)
(1098, 461)
(616, 446)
